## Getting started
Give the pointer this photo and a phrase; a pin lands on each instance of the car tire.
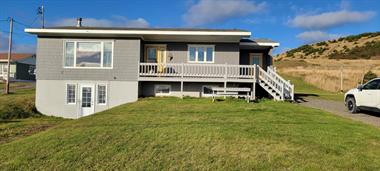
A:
(351, 105)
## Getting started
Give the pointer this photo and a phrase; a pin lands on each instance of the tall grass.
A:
(326, 74)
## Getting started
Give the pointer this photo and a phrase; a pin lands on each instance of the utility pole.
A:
(9, 55)
(43, 14)
(41, 11)
(341, 79)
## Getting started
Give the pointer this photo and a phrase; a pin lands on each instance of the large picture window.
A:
(201, 53)
(88, 54)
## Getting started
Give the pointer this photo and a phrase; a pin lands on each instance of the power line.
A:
(18, 22)
(35, 19)
(17, 33)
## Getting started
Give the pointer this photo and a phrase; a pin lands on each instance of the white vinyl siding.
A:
(88, 54)
(201, 53)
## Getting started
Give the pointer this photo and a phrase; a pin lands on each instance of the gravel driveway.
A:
(338, 108)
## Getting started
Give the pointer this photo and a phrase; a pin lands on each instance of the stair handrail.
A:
(277, 85)
(287, 84)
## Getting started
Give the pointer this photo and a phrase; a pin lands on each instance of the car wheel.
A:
(351, 105)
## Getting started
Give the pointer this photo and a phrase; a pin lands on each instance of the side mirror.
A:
(360, 87)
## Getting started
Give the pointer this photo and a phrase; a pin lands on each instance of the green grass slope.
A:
(169, 133)
(22, 94)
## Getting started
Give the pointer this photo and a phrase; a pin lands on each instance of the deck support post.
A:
(181, 89)
(182, 72)
(225, 88)
(253, 93)
(225, 78)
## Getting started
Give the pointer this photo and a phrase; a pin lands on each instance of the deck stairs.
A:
(279, 88)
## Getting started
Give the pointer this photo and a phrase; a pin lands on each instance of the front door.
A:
(87, 99)
(156, 54)
(256, 58)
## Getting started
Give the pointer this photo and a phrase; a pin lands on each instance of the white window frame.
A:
(88, 41)
(75, 94)
(204, 52)
(97, 94)
(162, 94)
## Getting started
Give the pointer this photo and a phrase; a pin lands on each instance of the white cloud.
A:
(213, 11)
(330, 19)
(316, 36)
(115, 21)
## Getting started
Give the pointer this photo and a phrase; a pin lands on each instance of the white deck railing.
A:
(265, 76)
(287, 87)
(186, 70)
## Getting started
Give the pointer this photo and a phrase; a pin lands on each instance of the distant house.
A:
(84, 70)
(22, 66)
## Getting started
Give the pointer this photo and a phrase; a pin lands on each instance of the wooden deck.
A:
(273, 83)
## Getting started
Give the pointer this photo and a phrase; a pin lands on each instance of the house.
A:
(25, 68)
(20, 67)
(84, 70)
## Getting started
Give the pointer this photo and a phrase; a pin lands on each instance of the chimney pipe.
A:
(79, 22)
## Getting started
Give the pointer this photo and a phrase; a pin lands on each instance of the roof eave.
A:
(137, 32)
(267, 44)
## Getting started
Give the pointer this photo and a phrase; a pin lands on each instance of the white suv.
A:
(366, 96)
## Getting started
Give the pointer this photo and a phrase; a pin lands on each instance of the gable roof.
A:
(15, 56)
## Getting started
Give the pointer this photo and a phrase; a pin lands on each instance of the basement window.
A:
(207, 91)
(102, 94)
(162, 90)
(70, 93)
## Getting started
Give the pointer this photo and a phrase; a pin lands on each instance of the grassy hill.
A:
(362, 46)
(333, 65)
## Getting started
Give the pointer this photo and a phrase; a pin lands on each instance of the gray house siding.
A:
(52, 77)
(244, 57)
(50, 62)
(224, 52)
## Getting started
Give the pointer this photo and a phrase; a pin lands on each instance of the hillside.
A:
(362, 46)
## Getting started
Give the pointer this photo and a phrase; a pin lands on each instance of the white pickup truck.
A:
(365, 97)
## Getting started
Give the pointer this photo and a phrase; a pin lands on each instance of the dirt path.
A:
(338, 108)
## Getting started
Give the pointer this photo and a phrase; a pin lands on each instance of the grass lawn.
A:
(305, 89)
(10, 130)
(169, 133)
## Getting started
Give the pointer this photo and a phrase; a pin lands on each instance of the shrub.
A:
(369, 49)
(369, 76)
(22, 109)
(321, 44)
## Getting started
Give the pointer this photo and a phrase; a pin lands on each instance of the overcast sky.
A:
(292, 23)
